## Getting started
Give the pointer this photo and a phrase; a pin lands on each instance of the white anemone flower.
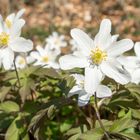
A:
(45, 57)
(84, 96)
(14, 22)
(55, 42)
(22, 61)
(132, 64)
(98, 54)
(11, 42)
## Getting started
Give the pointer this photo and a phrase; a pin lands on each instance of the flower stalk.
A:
(17, 74)
(99, 118)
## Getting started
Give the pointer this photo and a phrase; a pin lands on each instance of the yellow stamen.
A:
(4, 39)
(45, 59)
(8, 23)
(97, 56)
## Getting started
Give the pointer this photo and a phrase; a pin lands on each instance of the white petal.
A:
(75, 90)
(113, 70)
(54, 65)
(103, 37)
(83, 98)
(7, 58)
(11, 17)
(85, 43)
(41, 50)
(20, 44)
(119, 47)
(137, 49)
(16, 28)
(136, 76)
(129, 61)
(93, 77)
(70, 61)
(35, 55)
(114, 38)
(30, 59)
(79, 78)
(20, 13)
(103, 91)
(1, 24)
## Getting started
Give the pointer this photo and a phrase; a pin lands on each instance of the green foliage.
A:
(39, 108)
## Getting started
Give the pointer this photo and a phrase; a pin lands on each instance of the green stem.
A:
(99, 118)
(17, 74)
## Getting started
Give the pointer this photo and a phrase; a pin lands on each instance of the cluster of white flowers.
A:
(100, 57)
(10, 40)
(15, 48)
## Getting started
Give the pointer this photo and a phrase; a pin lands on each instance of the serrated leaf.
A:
(9, 106)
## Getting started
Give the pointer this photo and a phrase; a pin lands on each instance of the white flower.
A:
(22, 61)
(98, 56)
(14, 22)
(84, 96)
(74, 45)
(45, 57)
(132, 64)
(55, 42)
(11, 42)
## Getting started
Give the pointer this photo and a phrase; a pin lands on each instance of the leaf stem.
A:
(99, 118)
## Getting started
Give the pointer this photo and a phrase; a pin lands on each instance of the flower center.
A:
(97, 56)
(45, 59)
(4, 39)
(8, 23)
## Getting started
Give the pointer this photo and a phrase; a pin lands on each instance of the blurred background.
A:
(45, 16)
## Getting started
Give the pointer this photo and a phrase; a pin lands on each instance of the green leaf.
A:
(51, 111)
(3, 92)
(26, 137)
(93, 134)
(13, 131)
(40, 116)
(66, 125)
(76, 132)
(25, 90)
(136, 113)
(130, 135)
(133, 88)
(9, 106)
(47, 72)
(122, 124)
(106, 123)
